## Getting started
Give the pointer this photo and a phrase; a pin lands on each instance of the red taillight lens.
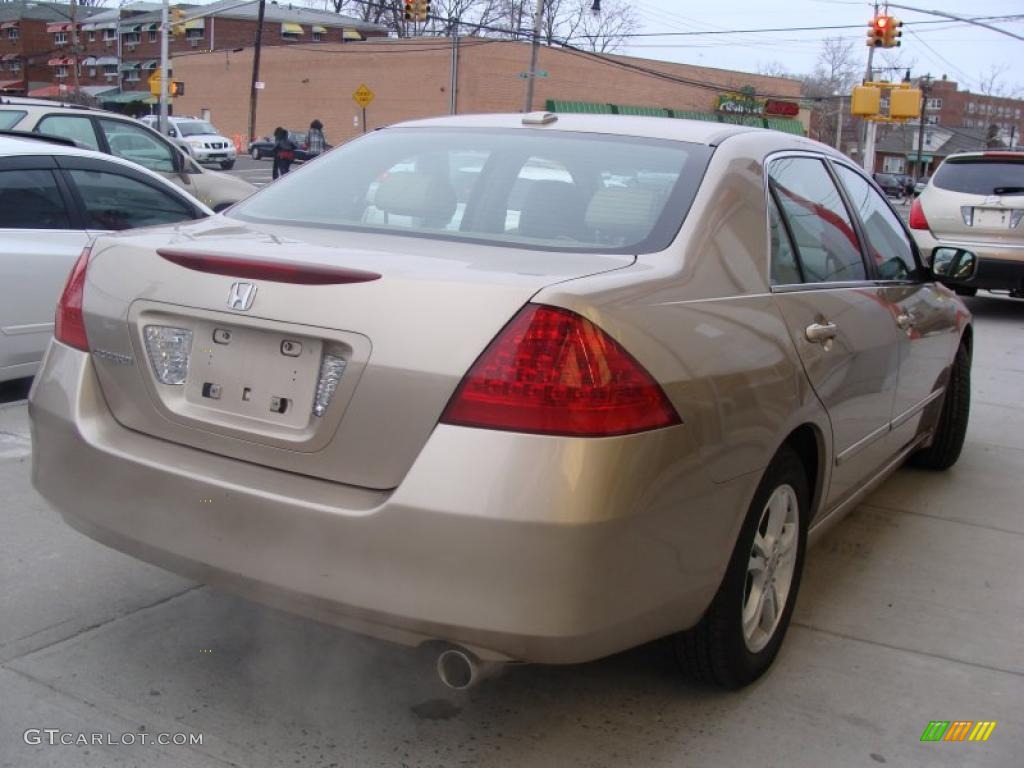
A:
(551, 371)
(917, 219)
(69, 324)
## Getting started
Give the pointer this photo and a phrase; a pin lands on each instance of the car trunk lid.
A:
(272, 323)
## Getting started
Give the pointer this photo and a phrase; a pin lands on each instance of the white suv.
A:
(122, 136)
(198, 138)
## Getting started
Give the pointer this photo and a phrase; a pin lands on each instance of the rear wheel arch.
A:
(808, 443)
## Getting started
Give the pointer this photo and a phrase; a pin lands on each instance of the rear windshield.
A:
(981, 175)
(534, 189)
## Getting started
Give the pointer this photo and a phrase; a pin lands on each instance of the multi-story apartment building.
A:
(950, 107)
(110, 54)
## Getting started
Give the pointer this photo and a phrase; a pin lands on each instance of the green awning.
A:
(925, 157)
(126, 97)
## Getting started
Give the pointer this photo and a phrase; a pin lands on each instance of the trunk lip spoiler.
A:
(242, 266)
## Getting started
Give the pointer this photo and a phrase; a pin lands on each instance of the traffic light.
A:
(177, 18)
(866, 100)
(417, 10)
(177, 88)
(877, 29)
(893, 33)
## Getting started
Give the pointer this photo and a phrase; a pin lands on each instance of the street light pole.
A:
(839, 121)
(538, 19)
(256, 71)
(925, 83)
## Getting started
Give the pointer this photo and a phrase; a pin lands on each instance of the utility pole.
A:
(256, 70)
(454, 85)
(74, 46)
(871, 129)
(165, 70)
(538, 19)
(925, 86)
(839, 122)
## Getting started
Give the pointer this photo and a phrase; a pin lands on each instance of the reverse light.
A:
(168, 349)
(551, 371)
(917, 218)
(69, 323)
(331, 369)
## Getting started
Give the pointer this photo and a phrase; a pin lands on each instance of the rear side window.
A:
(10, 118)
(31, 200)
(547, 190)
(992, 175)
(72, 127)
(823, 233)
(114, 201)
(888, 244)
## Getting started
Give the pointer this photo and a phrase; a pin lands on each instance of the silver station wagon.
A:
(527, 388)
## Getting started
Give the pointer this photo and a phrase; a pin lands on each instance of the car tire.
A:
(227, 165)
(730, 646)
(956, 411)
(256, 154)
(965, 290)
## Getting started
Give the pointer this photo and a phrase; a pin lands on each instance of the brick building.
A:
(412, 78)
(950, 107)
(119, 48)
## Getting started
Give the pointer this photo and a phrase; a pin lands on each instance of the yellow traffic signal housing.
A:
(177, 27)
(876, 31)
(866, 100)
(410, 10)
(905, 102)
(893, 33)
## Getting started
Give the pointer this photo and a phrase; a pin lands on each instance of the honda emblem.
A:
(242, 296)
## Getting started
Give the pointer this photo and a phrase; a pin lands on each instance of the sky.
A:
(962, 52)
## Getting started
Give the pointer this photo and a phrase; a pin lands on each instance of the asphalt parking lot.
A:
(911, 611)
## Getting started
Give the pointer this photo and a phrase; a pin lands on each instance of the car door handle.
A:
(905, 321)
(819, 333)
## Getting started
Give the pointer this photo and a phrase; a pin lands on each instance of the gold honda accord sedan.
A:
(526, 388)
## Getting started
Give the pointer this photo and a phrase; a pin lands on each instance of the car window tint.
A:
(137, 144)
(31, 200)
(70, 126)
(981, 175)
(115, 201)
(785, 270)
(563, 191)
(888, 243)
(825, 239)
(9, 118)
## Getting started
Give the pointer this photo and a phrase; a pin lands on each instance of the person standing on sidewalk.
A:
(315, 141)
(284, 152)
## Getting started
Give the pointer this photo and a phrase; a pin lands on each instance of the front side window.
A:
(31, 200)
(114, 201)
(888, 244)
(550, 190)
(823, 233)
(135, 143)
(72, 127)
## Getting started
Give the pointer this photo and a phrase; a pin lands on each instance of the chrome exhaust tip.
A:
(460, 669)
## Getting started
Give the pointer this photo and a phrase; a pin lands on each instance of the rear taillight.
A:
(551, 371)
(296, 272)
(69, 324)
(917, 219)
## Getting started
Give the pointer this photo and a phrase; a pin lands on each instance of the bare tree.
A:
(775, 69)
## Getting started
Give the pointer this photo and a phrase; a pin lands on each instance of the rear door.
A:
(925, 314)
(40, 238)
(839, 320)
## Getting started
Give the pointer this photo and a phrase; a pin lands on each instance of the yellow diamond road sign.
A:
(363, 96)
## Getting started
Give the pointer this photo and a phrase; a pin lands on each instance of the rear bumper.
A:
(519, 547)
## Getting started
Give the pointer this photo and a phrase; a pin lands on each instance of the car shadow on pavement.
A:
(995, 306)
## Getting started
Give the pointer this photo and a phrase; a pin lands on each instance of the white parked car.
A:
(198, 138)
(54, 200)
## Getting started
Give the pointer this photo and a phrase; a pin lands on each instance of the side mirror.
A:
(953, 264)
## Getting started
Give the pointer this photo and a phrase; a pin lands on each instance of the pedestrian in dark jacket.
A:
(316, 143)
(284, 152)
